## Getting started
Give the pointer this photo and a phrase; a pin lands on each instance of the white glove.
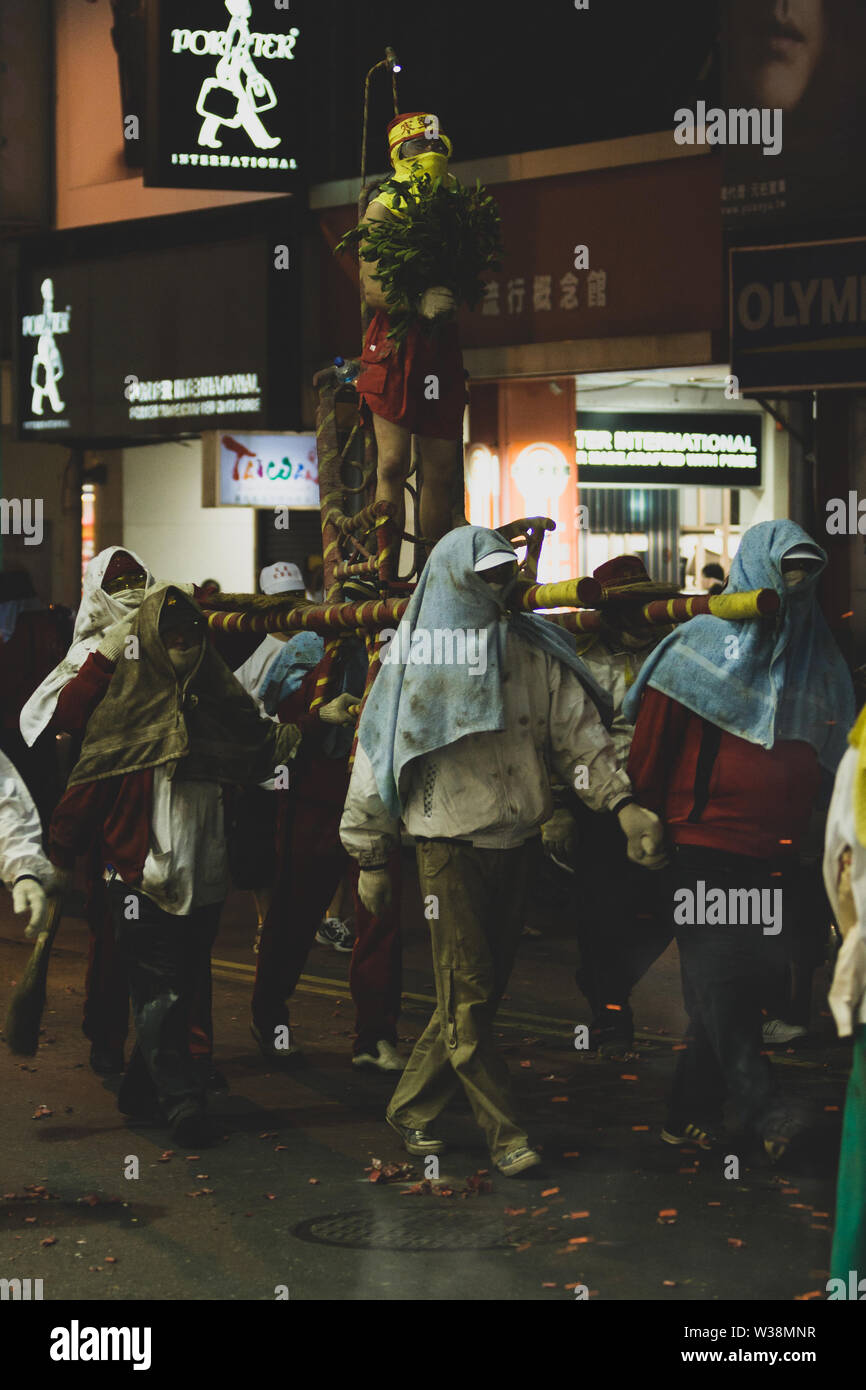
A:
(437, 300)
(343, 710)
(374, 890)
(645, 835)
(29, 896)
(112, 640)
(557, 836)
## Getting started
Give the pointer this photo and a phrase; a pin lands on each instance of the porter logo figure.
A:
(47, 368)
(238, 91)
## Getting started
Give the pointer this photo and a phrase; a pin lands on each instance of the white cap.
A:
(282, 578)
(497, 557)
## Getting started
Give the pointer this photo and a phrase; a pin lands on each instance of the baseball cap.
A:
(281, 578)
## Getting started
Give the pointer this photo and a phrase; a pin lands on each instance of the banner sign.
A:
(698, 449)
(225, 95)
(157, 340)
(798, 315)
(796, 69)
(263, 470)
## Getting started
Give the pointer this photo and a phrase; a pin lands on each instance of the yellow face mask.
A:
(415, 150)
(433, 163)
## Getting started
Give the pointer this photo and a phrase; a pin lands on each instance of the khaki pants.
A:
(480, 896)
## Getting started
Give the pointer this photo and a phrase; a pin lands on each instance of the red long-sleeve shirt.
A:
(114, 812)
(757, 801)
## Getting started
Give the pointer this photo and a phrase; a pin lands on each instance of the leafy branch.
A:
(441, 235)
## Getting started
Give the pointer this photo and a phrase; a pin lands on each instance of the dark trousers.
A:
(106, 995)
(622, 924)
(311, 867)
(728, 972)
(167, 959)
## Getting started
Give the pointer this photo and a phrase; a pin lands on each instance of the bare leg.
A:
(394, 448)
(438, 461)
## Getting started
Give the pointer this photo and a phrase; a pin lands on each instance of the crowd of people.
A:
(681, 777)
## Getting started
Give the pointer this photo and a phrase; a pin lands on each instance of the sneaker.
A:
(292, 1053)
(691, 1134)
(387, 1058)
(416, 1141)
(335, 933)
(612, 1031)
(518, 1161)
(776, 1031)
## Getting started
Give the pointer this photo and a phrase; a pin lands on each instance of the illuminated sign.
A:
(672, 449)
(798, 315)
(164, 327)
(224, 95)
(261, 470)
(46, 368)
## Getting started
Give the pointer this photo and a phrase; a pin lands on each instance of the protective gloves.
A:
(557, 837)
(29, 896)
(645, 835)
(374, 890)
(343, 710)
(437, 300)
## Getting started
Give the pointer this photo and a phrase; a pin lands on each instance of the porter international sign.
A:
(224, 95)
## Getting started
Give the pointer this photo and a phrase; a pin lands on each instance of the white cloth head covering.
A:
(96, 613)
(281, 578)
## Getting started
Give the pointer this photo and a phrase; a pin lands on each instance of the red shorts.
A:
(394, 382)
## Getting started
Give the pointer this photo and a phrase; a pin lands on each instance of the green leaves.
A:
(442, 235)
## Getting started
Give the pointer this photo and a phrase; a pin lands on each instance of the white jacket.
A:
(494, 788)
(616, 673)
(20, 830)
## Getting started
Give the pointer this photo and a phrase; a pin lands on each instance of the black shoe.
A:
(292, 1054)
(106, 1061)
(612, 1032)
(194, 1130)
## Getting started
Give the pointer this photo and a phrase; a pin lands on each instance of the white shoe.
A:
(388, 1058)
(775, 1031)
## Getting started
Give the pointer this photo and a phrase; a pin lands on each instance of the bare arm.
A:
(371, 286)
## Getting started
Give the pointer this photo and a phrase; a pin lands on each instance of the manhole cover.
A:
(425, 1228)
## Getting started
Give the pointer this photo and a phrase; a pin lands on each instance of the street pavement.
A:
(305, 1197)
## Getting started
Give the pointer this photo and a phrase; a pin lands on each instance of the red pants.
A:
(311, 865)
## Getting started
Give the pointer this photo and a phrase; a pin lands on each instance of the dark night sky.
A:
(504, 77)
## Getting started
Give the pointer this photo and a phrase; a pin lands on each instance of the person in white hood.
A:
(115, 582)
